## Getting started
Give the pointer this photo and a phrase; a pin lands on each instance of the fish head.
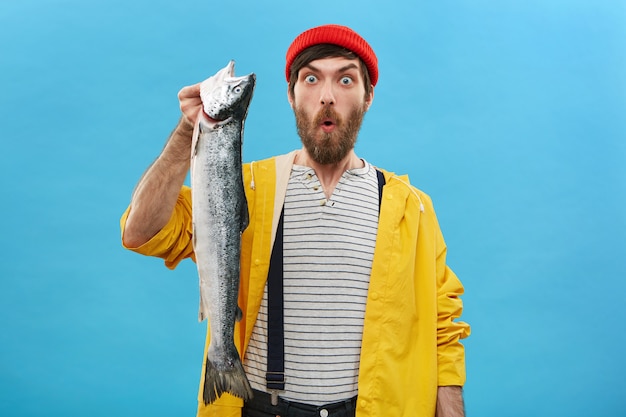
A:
(225, 97)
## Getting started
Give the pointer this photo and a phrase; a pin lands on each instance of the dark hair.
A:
(325, 50)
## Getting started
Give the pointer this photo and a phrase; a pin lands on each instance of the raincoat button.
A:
(374, 296)
(257, 261)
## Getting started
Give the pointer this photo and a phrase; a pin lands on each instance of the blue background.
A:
(510, 114)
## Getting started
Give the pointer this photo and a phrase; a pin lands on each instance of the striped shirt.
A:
(327, 254)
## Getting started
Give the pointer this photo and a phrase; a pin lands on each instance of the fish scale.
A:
(220, 215)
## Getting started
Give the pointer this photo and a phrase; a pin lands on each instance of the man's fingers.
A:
(190, 103)
(189, 92)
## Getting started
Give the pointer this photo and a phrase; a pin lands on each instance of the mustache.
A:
(327, 112)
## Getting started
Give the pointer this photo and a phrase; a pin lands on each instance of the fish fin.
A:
(238, 314)
(232, 380)
(194, 141)
(202, 308)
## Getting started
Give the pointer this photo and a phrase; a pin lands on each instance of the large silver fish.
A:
(220, 215)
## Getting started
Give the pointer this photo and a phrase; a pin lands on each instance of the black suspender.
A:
(381, 184)
(275, 376)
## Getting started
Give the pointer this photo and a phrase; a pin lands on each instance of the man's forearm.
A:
(450, 402)
(157, 191)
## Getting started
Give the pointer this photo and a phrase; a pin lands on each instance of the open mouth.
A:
(327, 125)
(210, 119)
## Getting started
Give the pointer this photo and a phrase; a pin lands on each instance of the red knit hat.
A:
(337, 35)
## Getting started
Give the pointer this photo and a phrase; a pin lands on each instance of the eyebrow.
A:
(351, 65)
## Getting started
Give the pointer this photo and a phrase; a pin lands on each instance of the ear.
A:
(289, 97)
(369, 99)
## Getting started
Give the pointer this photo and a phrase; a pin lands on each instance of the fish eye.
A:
(237, 89)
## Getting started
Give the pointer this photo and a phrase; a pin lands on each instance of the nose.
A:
(327, 96)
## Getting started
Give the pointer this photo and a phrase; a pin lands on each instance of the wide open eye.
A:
(310, 79)
(237, 89)
(346, 80)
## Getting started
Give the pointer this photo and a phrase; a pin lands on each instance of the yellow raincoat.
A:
(410, 338)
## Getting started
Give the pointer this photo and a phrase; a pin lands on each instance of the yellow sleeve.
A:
(450, 351)
(173, 243)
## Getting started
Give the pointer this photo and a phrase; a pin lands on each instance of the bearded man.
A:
(368, 317)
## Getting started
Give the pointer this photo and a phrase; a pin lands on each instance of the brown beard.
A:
(329, 148)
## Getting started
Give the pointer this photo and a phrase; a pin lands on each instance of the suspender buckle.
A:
(275, 382)
(274, 397)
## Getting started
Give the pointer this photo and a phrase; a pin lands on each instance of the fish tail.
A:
(233, 381)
